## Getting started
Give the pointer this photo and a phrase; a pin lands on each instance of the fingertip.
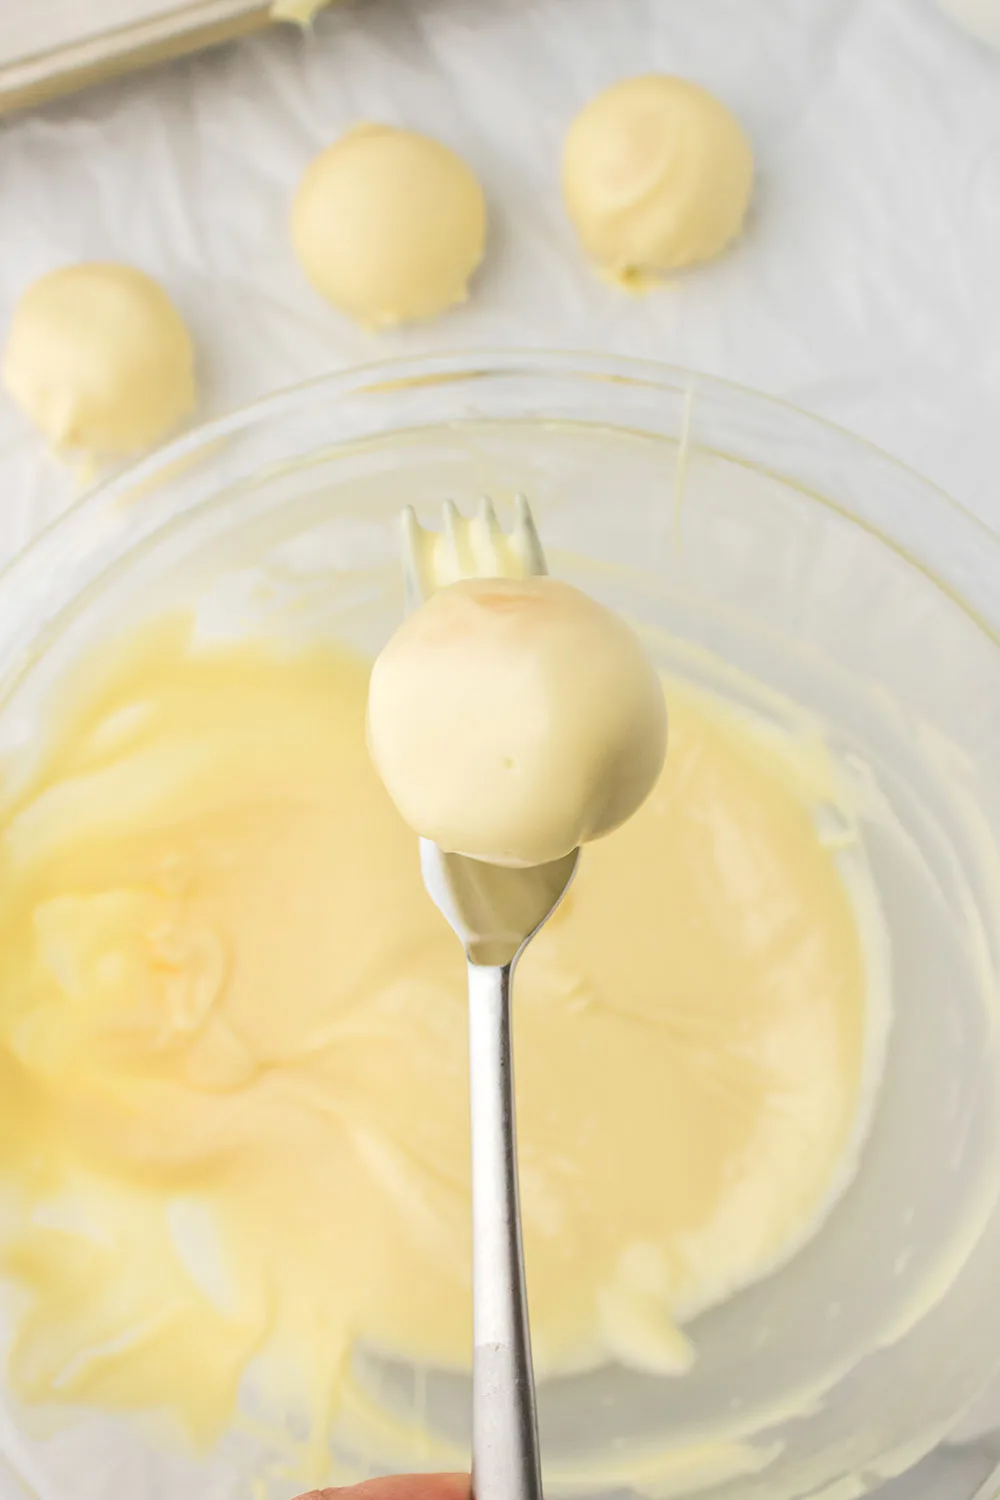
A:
(400, 1487)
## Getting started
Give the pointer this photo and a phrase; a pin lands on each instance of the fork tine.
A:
(474, 547)
(488, 515)
(414, 538)
(451, 532)
(487, 538)
(525, 539)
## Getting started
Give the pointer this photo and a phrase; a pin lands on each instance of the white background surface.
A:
(867, 287)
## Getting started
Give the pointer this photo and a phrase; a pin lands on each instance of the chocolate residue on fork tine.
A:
(468, 547)
(525, 539)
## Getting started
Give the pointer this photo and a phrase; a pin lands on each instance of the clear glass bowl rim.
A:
(927, 504)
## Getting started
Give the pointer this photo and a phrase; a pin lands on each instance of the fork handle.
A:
(505, 1460)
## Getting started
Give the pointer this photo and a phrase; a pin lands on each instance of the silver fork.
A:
(495, 912)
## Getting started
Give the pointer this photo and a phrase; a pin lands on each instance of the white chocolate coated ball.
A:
(100, 359)
(389, 225)
(513, 720)
(657, 175)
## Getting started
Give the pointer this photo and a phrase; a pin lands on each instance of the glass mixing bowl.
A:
(776, 560)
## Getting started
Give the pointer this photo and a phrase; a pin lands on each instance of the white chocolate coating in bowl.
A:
(234, 1038)
(513, 720)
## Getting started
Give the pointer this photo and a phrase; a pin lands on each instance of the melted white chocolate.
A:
(233, 1103)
